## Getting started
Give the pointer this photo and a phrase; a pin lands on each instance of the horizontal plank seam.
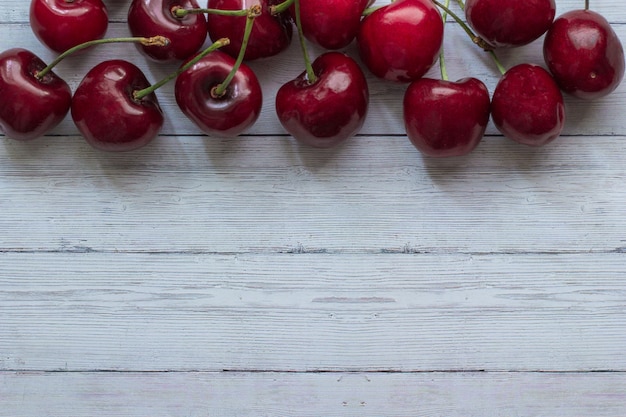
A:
(314, 371)
(313, 251)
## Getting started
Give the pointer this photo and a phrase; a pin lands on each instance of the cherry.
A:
(527, 105)
(444, 118)
(226, 114)
(62, 24)
(271, 33)
(510, 23)
(401, 41)
(155, 17)
(107, 112)
(584, 54)
(331, 24)
(36, 104)
(327, 111)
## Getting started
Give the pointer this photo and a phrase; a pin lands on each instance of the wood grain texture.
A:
(312, 395)
(254, 277)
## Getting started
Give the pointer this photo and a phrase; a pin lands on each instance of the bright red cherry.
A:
(444, 118)
(229, 114)
(270, 34)
(510, 23)
(401, 41)
(31, 106)
(62, 24)
(155, 17)
(331, 24)
(330, 110)
(584, 54)
(106, 112)
(527, 105)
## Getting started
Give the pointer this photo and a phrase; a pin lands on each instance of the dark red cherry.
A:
(155, 17)
(270, 34)
(444, 118)
(229, 114)
(584, 54)
(30, 106)
(331, 109)
(331, 24)
(527, 105)
(510, 23)
(401, 41)
(62, 24)
(106, 112)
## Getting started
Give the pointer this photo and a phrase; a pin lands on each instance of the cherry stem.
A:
(442, 60)
(253, 13)
(153, 41)
(281, 7)
(476, 39)
(139, 94)
(310, 74)
(461, 4)
(497, 62)
(371, 10)
(586, 4)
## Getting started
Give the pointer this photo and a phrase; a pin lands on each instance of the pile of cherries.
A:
(328, 103)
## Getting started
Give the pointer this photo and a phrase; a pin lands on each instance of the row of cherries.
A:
(328, 102)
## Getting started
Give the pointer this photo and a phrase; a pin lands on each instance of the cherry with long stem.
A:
(139, 94)
(310, 73)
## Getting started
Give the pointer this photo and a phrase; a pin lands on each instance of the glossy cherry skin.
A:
(330, 110)
(106, 113)
(584, 54)
(527, 105)
(444, 118)
(510, 23)
(149, 18)
(270, 34)
(401, 41)
(331, 24)
(227, 115)
(30, 106)
(62, 24)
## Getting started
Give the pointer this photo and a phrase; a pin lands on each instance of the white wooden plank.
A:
(302, 312)
(260, 194)
(314, 395)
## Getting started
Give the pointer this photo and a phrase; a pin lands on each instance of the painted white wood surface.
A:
(253, 277)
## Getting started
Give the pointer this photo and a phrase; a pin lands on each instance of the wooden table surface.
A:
(254, 277)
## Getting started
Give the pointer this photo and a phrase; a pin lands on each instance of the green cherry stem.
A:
(371, 10)
(253, 13)
(281, 7)
(153, 41)
(139, 94)
(475, 38)
(442, 59)
(180, 12)
(310, 74)
(461, 4)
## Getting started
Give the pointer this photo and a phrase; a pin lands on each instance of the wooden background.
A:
(254, 277)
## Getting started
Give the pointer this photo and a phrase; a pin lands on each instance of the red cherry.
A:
(584, 54)
(31, 106)
(155, 17)
(62, 24)
(107, 114)
(401, 41)
(510, 23)
(270, 34)
(527, 105)
(331, 109)
(331, 24)
(229, 114)
(444, 118)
